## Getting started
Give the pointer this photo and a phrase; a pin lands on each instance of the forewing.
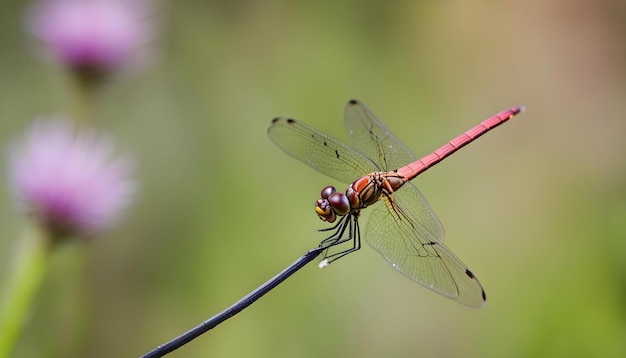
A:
(409, 236)
(371, 137)
(319, 150)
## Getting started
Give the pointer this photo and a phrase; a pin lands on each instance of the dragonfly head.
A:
(332, 204)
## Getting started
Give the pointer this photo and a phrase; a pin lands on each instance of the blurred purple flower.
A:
(68, 178)
(92, 36)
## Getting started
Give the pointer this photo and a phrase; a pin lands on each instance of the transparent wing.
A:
(319, 150)
(409, 236)
(370, 136)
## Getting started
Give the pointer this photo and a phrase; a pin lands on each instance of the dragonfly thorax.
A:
(362, 193)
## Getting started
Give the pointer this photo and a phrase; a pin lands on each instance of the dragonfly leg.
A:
(354, 234)
(337, 237)
(334, 227)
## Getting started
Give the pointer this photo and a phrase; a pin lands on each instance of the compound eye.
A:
(328, 191)
(340, 203)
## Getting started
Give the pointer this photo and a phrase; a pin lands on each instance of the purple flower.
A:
(92, 36)
(68, 178)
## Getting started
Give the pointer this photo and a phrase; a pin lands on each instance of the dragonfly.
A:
(379, 168)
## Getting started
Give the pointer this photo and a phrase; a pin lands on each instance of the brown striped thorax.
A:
(364, 192)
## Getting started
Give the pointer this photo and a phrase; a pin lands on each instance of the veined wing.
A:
(410, 237)
(372, 138)
(319, 150)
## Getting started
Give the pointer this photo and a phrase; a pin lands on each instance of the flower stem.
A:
(26, 274)
(85, 94)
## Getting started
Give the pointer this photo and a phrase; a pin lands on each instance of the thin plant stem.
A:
(28, 269)
(235, 308)
(85, 93)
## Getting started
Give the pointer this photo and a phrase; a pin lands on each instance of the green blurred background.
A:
(537, 209)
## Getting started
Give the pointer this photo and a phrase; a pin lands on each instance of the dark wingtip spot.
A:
(275, 120)
(291, 121)
(469, 274)
(484, 296)
(353, 102)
